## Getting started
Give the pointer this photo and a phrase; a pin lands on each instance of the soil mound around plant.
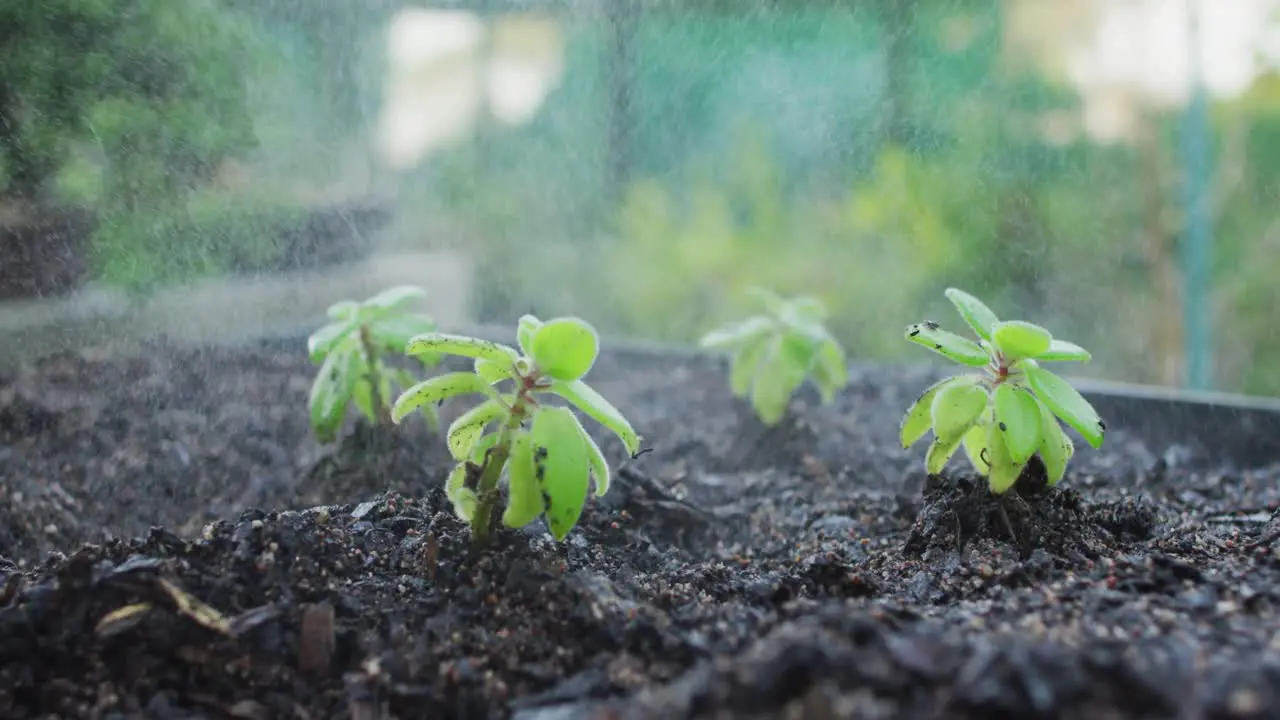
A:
(959, 508)
(233, 568)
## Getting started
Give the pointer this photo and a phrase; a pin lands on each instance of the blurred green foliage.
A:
(763, 154)
(206, 233)
(158, 86)
(133, 107)
(867, 153)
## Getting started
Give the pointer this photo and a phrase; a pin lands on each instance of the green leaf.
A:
(975, 444)
(462, 498)
(461, 345)
(432, 416)
(809, 307)
(599, 466)
(803, 322)
(1017, 339)
(362, 397)
(405, 379)
(323, 341)
(1063, 351)
(362, 391)
(781, 371)
(394, 333)
(1017, 416)
(466, 430)
(524, 496)
(744, 365)
(565, 348)
(438, 389)
(974, 311)
(343, 310)
(770, 300)
(738, 334)
(1056, 447)
(330, 393)
(940, 451)
(586, 399)
(494, 372)
(526, 328)
(948, 344)
(482, 447)
(830, 371)
(1068, 404)
(391, 299)
(918, 418)
(1004, 468)
(956, 407)
(561, 467)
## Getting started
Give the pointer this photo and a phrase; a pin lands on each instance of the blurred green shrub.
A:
(159, 86)
(130, 107)
(997, 186)
(880, 247)
(206, 233)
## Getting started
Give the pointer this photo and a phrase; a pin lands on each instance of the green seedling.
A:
(542, 451)
(350, 352)
(773, 353)
(1008, 413)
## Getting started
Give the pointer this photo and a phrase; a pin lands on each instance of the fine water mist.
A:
(644, 359)
(240, 165)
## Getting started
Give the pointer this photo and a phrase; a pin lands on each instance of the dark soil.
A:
(294, 581)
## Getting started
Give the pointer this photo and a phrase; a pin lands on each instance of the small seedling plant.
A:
(350, 351)
(542, 451)
(1008, 413)
(773, 353)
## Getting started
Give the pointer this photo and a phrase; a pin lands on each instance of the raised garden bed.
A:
(812, 572)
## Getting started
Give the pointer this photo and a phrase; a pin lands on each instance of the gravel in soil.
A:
(176, 546)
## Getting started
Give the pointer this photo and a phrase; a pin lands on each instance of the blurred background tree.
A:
(143, 78)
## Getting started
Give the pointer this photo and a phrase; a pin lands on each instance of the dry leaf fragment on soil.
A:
(128, 616)
(121, 619)
(194, 608)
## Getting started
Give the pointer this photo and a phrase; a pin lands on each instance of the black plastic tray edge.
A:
(1227, 428)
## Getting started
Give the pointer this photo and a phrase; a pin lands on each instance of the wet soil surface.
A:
(176, 546)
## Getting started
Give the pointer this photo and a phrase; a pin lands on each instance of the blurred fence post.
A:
(1197, 235)
(897, 22)
(622, 18)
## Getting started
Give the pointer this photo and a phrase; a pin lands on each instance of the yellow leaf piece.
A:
(195, 609)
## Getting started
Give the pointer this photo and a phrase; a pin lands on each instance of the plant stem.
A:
(374, 378)
(488, 496)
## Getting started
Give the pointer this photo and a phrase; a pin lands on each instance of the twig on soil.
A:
(1264, 541)
(1241, 520)
(1244, 516)
(1024, 548)
(1004, 517)
(663, 497)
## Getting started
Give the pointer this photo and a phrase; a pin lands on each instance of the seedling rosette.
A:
(1010, 412)
(541, 452)
(773, 353)
(350, 351)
